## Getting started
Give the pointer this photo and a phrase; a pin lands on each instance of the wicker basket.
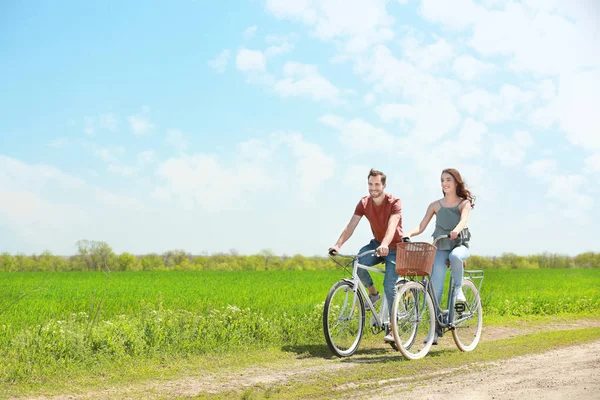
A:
(414, 258)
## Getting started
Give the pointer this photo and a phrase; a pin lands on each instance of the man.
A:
(384, 213)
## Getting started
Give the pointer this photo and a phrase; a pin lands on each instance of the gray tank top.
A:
(446, 219)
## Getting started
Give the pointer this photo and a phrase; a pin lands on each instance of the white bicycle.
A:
(344, 315)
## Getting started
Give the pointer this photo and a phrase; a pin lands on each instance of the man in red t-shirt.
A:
(384, 213)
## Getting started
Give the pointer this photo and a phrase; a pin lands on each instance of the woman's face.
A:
(448, 184)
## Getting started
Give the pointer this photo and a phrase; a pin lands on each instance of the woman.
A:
(451, 215)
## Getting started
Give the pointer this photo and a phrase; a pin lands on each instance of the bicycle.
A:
(345, 309)
(418, 311)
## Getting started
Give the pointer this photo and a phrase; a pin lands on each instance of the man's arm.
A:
(348, 231)
(383, 250)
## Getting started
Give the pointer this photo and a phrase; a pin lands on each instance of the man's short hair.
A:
(374, 172)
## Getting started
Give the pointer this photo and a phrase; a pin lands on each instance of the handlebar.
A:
(374, 252)
(439, 238)
(366, 253)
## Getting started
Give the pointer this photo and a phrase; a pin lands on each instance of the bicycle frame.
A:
(381, 317)
(445, 317)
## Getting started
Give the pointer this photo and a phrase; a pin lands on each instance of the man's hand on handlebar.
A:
(333, 250)
(383, 251)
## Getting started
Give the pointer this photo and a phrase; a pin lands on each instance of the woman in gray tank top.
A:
(451, 215)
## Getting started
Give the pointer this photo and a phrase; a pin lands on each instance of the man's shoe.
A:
(374, 300)
(376, 297)
(388, 338)
(435, 340)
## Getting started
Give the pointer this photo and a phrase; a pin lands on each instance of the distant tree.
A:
(96, 255)
(127, 262)
(7, 263)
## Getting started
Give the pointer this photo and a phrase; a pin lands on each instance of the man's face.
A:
(376, 187)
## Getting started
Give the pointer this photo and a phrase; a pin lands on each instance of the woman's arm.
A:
(464, 216)
(424, 222)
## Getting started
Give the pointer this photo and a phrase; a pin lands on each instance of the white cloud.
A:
(146, 157)
(355, 176)
(275, 50)
(108, 154)
(219, 64)
(177, 139)
(359, 135)
(305, 80)
(249, 32)
(209, 183)
(251, 61)
(577, 106)
(123, 170)
(361, 24)
(469, 68)
(107, 121)
(369, 99)
(34, 177)
(279, 45)
(541, 168)
(430, 56)
(511, 151)
(544, 37)
(511, 103)
(202, 180)
(563, 190)
(592, 162)
(424, 94)
(140, 124)
(58, 143)
(469, 141)
(313, 166)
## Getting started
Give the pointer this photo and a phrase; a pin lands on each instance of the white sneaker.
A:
(460, 297)
(388, 338)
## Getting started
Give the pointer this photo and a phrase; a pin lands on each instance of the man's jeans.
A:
(390, 278)
(456, 256)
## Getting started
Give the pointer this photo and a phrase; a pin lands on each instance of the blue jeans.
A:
(456, 256)
(390, 277)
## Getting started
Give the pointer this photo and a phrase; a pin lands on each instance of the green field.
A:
(54, 323)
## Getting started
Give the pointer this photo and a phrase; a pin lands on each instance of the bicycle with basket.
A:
(419, 313)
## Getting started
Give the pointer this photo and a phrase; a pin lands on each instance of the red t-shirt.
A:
(379, 216)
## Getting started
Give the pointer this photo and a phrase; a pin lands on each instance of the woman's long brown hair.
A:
(461, 189)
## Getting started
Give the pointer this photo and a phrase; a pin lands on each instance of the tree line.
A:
(99, 256)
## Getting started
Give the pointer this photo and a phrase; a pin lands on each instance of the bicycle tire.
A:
(413, 323)
(467, 332)
(343, 319)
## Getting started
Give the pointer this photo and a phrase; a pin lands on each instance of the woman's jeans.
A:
(390, 277)
(456, 256)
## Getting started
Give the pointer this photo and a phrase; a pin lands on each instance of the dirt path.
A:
(571, 372)
(567, 373)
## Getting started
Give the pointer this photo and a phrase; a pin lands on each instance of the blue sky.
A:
(251, 125)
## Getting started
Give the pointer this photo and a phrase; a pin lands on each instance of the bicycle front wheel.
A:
(343, 319)
(413, 320)
(468, 318)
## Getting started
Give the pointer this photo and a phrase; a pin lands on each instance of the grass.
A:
(63, 327)
(365, 370)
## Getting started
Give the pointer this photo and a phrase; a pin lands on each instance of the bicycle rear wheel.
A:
(413, 321)
(343, 319)
(468, 318)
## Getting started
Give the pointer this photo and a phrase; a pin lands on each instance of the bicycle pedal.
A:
(460, 307)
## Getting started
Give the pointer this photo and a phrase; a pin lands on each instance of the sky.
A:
(250, 125)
